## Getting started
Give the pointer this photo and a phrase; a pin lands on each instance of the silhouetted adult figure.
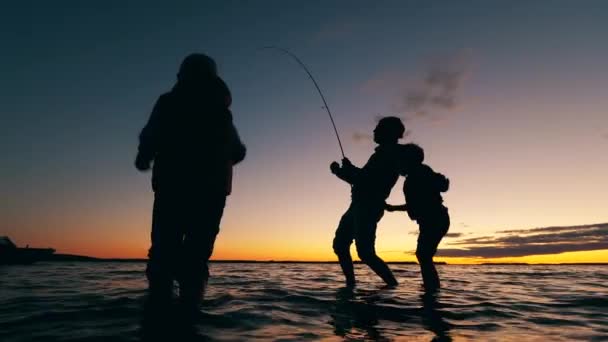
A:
(193, 144)
(371, 185)
(424, 204)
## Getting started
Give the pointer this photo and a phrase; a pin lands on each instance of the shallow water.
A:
(293, 302)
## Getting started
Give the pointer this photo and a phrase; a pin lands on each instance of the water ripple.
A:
(300, 302)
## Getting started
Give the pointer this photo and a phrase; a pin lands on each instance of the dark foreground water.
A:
(293, 302)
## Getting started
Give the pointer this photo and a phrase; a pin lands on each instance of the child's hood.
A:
(442, 182)
(436, 179)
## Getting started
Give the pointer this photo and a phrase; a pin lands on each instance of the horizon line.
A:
(73, 257)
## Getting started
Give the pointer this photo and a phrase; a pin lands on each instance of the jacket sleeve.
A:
(149, 136)
(348, 174)
(441, 182)
(237, 147)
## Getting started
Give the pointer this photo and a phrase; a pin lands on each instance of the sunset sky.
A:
(509, 99)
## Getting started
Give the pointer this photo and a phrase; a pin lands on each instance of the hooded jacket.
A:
(191, 138)
(422, 189)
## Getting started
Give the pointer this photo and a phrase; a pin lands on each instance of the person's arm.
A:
(237, 148)
(348, 172)
(401, 207)
(442, 182)
(148, 139)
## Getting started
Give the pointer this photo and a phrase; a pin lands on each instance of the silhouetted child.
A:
(422, 189)
(192, 142)
(371, 185)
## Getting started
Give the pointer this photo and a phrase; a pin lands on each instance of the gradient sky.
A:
(523, 137)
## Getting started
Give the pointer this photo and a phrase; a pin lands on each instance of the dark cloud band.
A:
(537, 241)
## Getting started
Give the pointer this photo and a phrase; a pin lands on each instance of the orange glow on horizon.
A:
(291, 234)
(288, 254)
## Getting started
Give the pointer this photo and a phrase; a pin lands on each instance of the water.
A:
(294, 302)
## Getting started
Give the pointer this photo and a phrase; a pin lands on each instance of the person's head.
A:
(410, 156)
(389, 130)
(196, 67)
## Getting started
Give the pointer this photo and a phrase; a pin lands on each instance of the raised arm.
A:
(348, 172)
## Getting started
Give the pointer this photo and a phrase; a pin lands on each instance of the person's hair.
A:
(412, 154)
(197, 65)
(393, 126)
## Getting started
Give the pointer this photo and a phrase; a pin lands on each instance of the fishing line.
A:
(326, 106)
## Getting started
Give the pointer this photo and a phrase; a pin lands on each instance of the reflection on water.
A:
(105, 301)
(354, 318)
(433, 319)
(358, 315)
(167, 323)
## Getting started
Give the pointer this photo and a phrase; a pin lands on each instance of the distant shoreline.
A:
(80, 258)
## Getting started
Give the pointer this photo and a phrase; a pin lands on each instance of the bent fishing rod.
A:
(326, 106)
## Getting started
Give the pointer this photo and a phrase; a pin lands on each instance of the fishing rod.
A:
(326, 106)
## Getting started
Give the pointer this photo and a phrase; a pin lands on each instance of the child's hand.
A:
(334, 167)
(346, 163)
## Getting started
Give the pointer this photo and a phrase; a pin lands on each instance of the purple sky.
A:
(515, 117)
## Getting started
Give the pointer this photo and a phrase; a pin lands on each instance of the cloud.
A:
(362, 137)
(548, 229)
(453, 235)
(439, 88)
(536, 241)
(448, 235)
(382, 83)
(432, 94)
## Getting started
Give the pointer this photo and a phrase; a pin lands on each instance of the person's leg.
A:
(427, 246)
(166, 239)
(203, 227)
(341, 245)
(366, 221)
(431, 233)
